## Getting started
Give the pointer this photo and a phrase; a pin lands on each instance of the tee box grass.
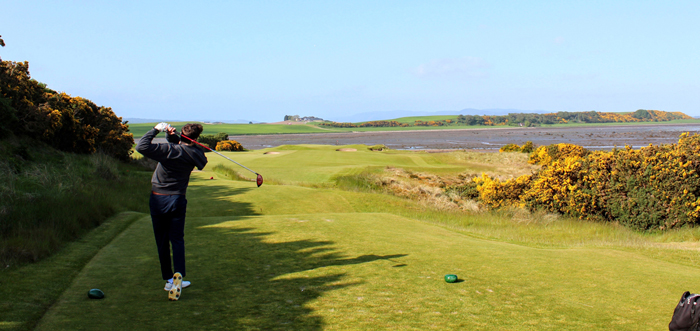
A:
(307, 257)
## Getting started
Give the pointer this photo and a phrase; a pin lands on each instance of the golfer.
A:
(176, 160)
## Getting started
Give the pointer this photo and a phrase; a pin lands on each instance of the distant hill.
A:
(383, 115)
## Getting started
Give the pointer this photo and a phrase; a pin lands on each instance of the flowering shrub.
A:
(509, 148)
(72, 124)
(229, 145)
(655, 187)
(554, 188)
(528, 147)
(544, 155)
(496, 194)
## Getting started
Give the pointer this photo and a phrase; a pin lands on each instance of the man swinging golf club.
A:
(176, 160)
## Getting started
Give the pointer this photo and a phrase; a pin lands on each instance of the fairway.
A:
(347, 271)
(316, 164)
(307, 256)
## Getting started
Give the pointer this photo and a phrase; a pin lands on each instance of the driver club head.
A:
(259, 181)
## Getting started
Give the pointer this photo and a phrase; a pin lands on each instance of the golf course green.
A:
(298, 253)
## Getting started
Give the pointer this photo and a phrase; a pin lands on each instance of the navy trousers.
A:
(168, 217)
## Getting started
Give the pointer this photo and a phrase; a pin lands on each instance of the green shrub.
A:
(212, 139)
(528, 147)
(377, 148)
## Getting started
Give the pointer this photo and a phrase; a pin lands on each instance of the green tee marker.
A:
(96, 294)
(450, 278)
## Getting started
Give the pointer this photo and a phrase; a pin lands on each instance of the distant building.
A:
(310, 119)
(296, 118)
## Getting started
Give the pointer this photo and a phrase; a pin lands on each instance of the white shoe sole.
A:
(185, 284)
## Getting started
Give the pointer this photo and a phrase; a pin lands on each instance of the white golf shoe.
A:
(169, 284)
(176, 289)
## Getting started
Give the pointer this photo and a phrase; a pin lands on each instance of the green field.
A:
(305, 255)
(139, 129)
(413, 119)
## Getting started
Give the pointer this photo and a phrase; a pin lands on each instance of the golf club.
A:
(259, 179)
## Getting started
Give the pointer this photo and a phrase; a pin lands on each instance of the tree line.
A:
(530, 120)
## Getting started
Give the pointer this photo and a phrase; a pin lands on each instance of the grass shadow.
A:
(254, 279)
(215, 200)
(272, 285)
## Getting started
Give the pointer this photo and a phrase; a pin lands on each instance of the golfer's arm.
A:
(148, 149)
(172, 138)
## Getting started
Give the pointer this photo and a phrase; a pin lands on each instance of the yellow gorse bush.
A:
(229, 145)
(528, 147)
(496, 194)
(555, 187)
(655, 187)
(544, 155)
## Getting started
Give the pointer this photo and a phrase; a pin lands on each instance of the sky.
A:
(262, 60)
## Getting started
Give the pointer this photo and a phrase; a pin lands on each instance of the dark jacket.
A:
(175, 162)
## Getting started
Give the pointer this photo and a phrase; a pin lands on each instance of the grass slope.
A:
(283, 257)
(26, 293)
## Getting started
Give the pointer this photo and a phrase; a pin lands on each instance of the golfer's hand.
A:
(162, 126)
(170, 130)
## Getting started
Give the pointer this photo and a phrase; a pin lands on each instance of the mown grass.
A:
(287, 257)
(283, 257)
(27, 292)
(317, 164)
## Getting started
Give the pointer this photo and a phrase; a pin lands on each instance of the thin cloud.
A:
(466, 67)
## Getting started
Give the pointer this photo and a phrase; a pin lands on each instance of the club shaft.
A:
(222, 155)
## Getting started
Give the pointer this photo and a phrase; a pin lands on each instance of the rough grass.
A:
(48, 198)
(229, 173)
